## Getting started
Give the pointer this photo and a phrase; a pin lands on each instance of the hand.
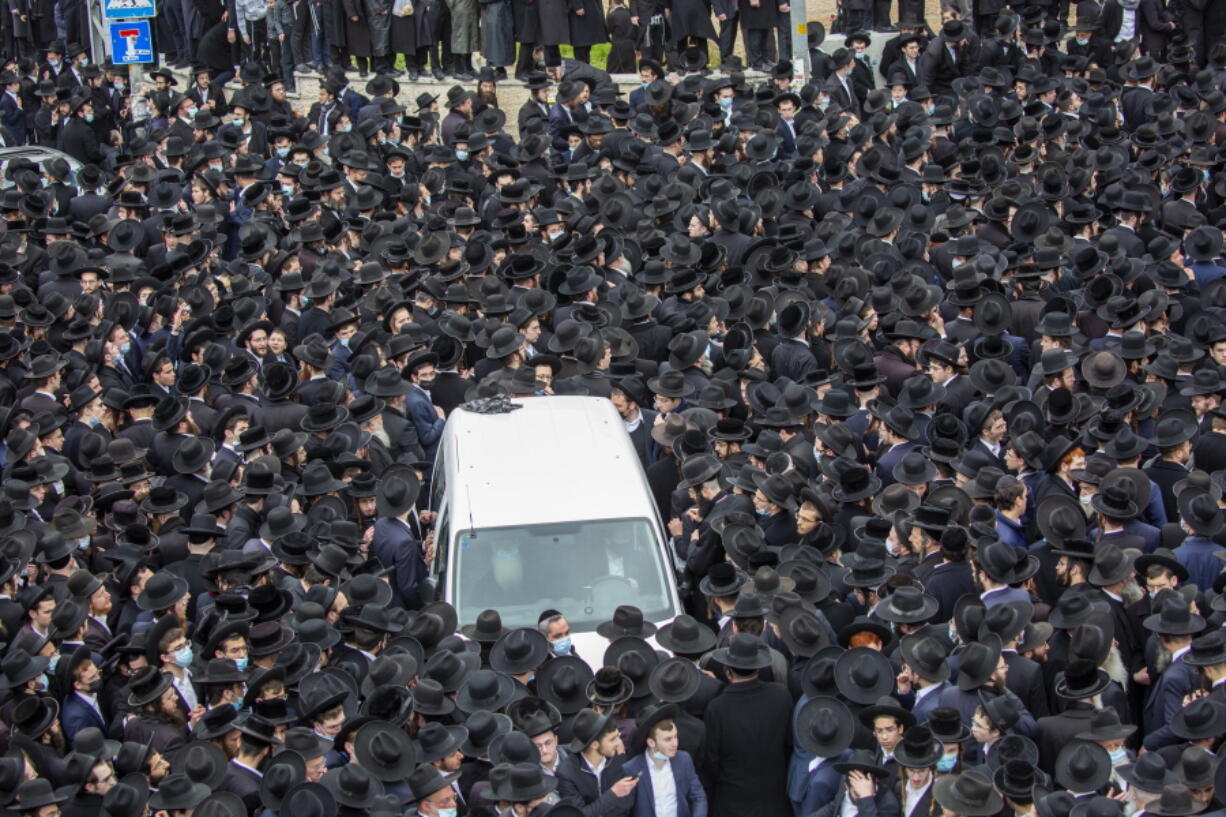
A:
(428, 555)
(693, 515)
(674, 527)
(230, 38)
(903, 681)
(281, 37)
(354, 18)
(721, 17)
(861, 783)
(634, 21)
(624, 786)
(439, 411)
(784, 8)
(580, 12)
(1141, 676)
(246, 40)
(195, 715)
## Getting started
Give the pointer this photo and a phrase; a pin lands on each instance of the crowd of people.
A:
(923, 362)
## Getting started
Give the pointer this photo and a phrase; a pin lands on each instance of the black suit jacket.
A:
(79, 141)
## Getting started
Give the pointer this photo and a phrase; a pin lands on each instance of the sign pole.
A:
(800, 42)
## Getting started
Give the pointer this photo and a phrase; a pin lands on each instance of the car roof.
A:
(554, 459)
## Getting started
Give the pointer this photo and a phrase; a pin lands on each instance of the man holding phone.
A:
(590, 777)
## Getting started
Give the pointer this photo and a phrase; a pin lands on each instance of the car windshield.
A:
(583, 569)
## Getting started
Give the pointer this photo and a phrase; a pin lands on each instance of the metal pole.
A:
(800, 42)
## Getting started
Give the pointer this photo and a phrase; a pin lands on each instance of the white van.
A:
(548, 507)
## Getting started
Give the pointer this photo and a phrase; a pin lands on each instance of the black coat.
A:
(1055, 731)
(749, 743)
(948, 583)
(79, 141)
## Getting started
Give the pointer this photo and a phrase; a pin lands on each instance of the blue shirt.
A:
(1011, 532)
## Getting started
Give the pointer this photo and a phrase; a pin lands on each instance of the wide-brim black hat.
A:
(1082, 767)
(863, 675)
(824, 727)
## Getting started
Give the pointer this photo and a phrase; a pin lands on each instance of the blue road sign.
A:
(128, 9)
(131, 42)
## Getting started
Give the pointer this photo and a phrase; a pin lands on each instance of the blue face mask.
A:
(124, 348)
(83, 542)
(282, 152)
(241, 663)
(345, 342)
(760, 511)
(183, 657)
(1119, 756)
(89, 117)
(658, 755)
(461, 155)
(55, 662)
(930, 109)
(448, 812)
(94, 421)
(238, 705)
(563, 645)
(1083, 41)
(238, 121)
(287, 190)
(947, 763)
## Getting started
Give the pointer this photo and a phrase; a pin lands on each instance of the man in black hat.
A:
(748, 733)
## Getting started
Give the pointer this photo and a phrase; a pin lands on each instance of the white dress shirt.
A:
(663, 788)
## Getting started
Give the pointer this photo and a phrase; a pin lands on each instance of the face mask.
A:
(1083, 41)
(461, 155)
(191, 113)
(287, 190)
(217, 168)
(1118, 756)
(953, 633)
(55, 662)
(448, 812)
(327, 154)
(241, 664)
(345, 342)
(83, 542)
(53, 63)
(862, 56)
(89, 117)
(563, 645)
(119, 86)
(58, 487)
(554, 236)
(124, 348)
(760, 512)
(300, 162)
(238, 705)
(344, 128)
(659, 756)
(645, 85)
(84, 62)
(947, 763)
(725, 102)
(930, 109)
(1205, 175)
(426, 201)
(95, 687)
(238, 121)
(45, 682)
(94, 421)
(397, 175)
(183, 657)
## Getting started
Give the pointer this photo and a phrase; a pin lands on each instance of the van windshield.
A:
(583, 569)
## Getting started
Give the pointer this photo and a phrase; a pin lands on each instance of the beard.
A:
(382, 436)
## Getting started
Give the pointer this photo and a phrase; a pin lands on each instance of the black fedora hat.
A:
(385, 750)
(627, 620)
(685, 635)
(863, 675)
(918, 749)
(563, 681)
(520, 651)
(968, 793)
(824, 727)
(1082, 767)
(926, 656)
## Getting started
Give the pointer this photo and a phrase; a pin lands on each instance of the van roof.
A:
(556, 459)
